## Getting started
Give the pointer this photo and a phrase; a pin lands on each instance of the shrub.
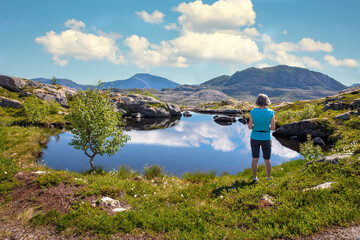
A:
(153, 171)
(124, 172)
(309, 151)
(35, 109)
(54, 106)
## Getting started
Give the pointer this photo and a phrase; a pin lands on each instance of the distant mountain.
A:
(354, 85)
(280, 82)
(142, 80)
(137, 81)
(63, 82)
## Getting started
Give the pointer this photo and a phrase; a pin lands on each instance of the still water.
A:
(192, 144)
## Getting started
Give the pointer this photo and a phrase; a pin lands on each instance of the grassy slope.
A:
(199, 205)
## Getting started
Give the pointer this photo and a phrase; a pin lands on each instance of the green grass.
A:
(199, 205)
(222, 206)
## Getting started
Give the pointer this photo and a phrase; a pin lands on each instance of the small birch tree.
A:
(95, 124)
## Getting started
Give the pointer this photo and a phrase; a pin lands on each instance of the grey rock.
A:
(34, 84)
(174, 110)
(224, 120)
(6, 102)
(187, 114)
(136, 115)
(318, 141)
(242, 120)
(12, 83)
(355, 104)
(147, 106)
(334, 159)
(49, 92)
(344, 116)
(302, 129)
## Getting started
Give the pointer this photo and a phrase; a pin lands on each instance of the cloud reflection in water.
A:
(195, 134)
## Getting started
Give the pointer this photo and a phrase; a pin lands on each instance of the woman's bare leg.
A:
(254, 167)
(267, 167)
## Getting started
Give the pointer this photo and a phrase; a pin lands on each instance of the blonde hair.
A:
(262, 100)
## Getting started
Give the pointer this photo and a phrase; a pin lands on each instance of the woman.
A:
(262, 120)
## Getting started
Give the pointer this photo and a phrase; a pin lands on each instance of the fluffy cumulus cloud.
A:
(305, 45)
(144, 54)
(155, 17)
(74, 43)
(223, 14)
(286, 58)
(233, 48)
(280, 52)
(335, 62)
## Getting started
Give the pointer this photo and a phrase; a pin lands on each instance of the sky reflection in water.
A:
(196, 143)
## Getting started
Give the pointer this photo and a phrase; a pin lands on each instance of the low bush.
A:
(153, 171)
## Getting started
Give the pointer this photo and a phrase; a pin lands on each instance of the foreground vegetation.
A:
(198, 205)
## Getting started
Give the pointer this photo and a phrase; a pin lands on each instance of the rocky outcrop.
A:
(6, 102)
(303, 128)
(334, 159)
(51, 92)
(147, 106)
(13, 84)
(343, 116)
(355, 104)
(42, 91)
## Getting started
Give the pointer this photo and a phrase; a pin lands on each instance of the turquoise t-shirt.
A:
(261, 119)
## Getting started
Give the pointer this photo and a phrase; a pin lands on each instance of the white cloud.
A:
(262, 65)
(309, 45)
(112, 35)
(171, 26)
(251, 32)
(220, 47)
(76, 44)
(223, 14)
(155, 17)
(74, 24)
(285, 58)
(305, 44)
(144, 54)
(345, 62)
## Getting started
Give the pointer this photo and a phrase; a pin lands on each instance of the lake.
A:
(196, 143)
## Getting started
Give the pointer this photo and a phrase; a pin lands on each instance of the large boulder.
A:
(303, 128)
(147, 106)
(12, 83)
(355, 104)
(6, 102)
(50, 92)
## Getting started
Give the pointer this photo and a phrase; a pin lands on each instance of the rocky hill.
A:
(280, 82)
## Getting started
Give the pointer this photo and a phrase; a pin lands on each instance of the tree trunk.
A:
(92, 163)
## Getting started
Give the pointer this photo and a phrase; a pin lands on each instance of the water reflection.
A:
(195, 143)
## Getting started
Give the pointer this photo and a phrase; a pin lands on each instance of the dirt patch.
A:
(30, 194)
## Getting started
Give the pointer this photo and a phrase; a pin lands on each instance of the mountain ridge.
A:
(139, 80)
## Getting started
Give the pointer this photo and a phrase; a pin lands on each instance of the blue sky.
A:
(188, 42)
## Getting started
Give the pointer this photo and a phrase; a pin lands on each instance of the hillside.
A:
(141, 80)
(280, 82)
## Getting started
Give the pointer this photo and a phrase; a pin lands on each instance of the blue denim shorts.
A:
(265, 147)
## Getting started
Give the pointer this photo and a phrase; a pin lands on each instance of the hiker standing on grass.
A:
(262, 120)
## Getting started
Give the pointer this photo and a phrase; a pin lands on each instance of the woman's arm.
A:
(250, 124)
(272, 123)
